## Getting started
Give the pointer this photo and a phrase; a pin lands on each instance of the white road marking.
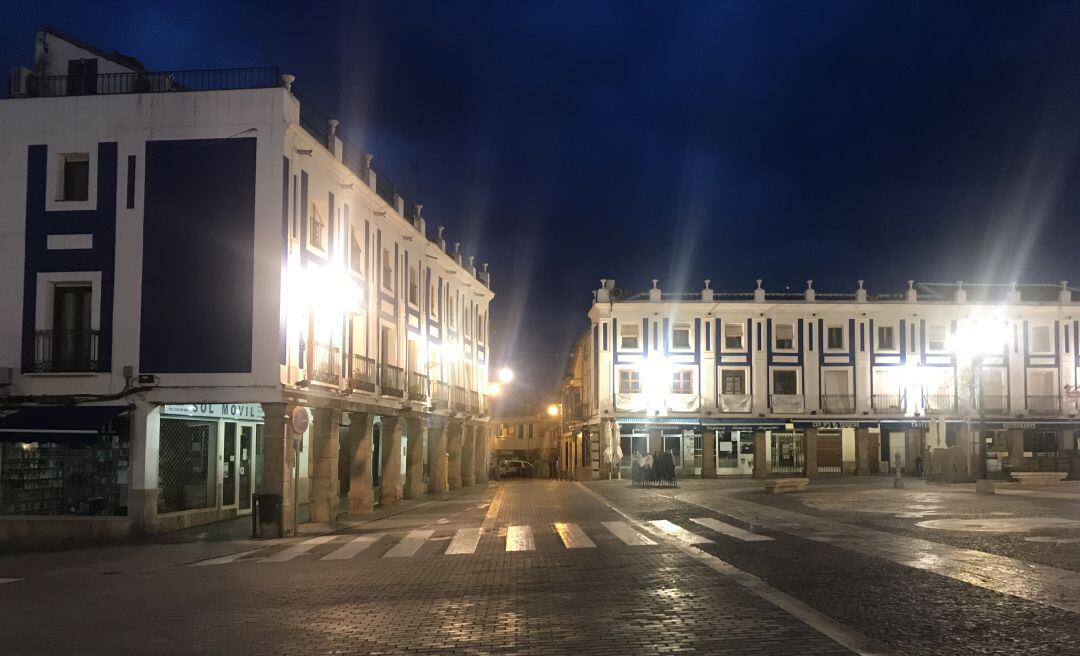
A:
(222, 560)
(492, 512)
(353, 547)
(572, 536)
(729, 530)
(519, 538)
(464, 542)
(409, 544)
(628, 535)
(299, 549)
(9, 580)
(679, 532)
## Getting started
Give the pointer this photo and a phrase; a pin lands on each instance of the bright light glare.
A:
(986, 337)
(505, 375)
(494, 389)
(553, 410)
(453, 352)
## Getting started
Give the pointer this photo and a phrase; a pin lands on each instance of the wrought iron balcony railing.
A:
(362, 373)
(66, 351)
(1044, 404)
(889, 403)
(472, 401)
(222, 79)
(325, 363)
(418, 386)
(458, 398)
(937, 404)
(391, 380)
(440, 395)
(993, 404)
(836, 404)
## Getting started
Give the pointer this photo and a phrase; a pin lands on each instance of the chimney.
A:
(603, 295)
(961, 293)
(655, 295)
(1064, 294)
(809, 293)
(759, 292)
(860, 293)
(911, 295)
(418, 221)
(707, 294)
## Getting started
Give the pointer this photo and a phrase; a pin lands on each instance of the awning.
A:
(57, 423)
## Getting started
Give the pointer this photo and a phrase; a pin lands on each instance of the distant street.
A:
(712, 567)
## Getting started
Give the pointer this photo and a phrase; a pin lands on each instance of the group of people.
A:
(656, 467)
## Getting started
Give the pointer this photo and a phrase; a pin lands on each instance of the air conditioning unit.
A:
(19, 82)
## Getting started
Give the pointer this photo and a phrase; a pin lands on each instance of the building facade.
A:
(763, 383)
(211, 294)
(527, 437)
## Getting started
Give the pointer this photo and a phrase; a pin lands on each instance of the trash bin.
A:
(266, 516)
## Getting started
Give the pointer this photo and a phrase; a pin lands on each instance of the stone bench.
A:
(1039, 478)
(778, 485)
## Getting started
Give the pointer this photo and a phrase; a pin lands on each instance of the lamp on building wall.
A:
(506, 375)
(973, 341)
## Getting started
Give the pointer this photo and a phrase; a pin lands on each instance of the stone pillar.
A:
(1015, 438)
(279, 464)
(656, 440)
(762, 466)
(361, 493)
(416, 429)
(453, 449)
(145, 424)
(708, 453)
(468, 455)
(810, 447)
(325, 498)
(390, 454)
(480, 455)
(967, 447)
(863, 452)
(437, 456)
(1066, 442)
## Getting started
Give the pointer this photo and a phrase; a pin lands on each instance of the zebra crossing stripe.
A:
(9, 580)
(519, 538)
(220, 560)
(572, 536)
(464, 542)
(353, 547)
(409, 544)
(679, 532)
(299, 549)
(628, 535)
(729, 530)
(492, 512)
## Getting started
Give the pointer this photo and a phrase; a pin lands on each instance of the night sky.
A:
(567, 141)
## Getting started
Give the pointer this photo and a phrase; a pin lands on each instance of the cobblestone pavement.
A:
(584, 580)
(857, 553)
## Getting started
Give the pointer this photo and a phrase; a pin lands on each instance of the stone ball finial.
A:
(654, 281)
(759, 281)
(603, 283)
(707, 281)
(860, 283)
(440, 230)
(911, 284)
(485, 267)
(287, 81)
(1064, 284)
(959, 284)
(419, 209)
(809, 284)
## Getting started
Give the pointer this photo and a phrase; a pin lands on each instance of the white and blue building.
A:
(208, 293)
(769, 383)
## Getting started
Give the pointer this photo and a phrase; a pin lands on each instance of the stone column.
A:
(967, 455)
(390, 454)
(416, 429)
(325, 498)
(480, 455)
(437, 456)
(863, 453)
(1066, 442)
(468, 455)
(761, 461)
(453, 449)
(279, 464)
(361, 493)
(708, 453)
(810, 447)
(656, 440)
(1015, 438)
(145, 422)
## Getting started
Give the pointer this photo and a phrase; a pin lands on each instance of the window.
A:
(733, 382)
(76, 180)
(356, 251)
(1040, 339)
(680, 336)
(733, 336)
(628, 336)
(785, 336)
(73, 344)
(414, 286)
(835, 338)
(451, 303)
(316, 228)
(1041, 383)
(433, 301)
(387, 269)
(629, 381)
(295, 210)
(682, 382)
(935, 338)
(785, 381)
(886, 338)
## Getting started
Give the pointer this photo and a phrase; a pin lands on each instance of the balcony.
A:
(418, 386)
(391, 380)
(362, 374)
(735, 403)
(1042, 404)
(458, 399)
(838, 404)
(889, 403)
(939, 404)
(787, 403)
(325, 363)
(66, 351)
(993, 404)
(223, 79)
(440, 395)
(472, 401)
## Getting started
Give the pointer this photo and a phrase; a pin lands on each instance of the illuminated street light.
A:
(973, 341)
(553, 410)
(494, 389)
(505, 375)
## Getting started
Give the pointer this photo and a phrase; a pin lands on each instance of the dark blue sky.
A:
(568, 141)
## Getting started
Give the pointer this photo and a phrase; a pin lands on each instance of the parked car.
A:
(515, 468)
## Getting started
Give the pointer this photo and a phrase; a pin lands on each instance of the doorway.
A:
(238, 466)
